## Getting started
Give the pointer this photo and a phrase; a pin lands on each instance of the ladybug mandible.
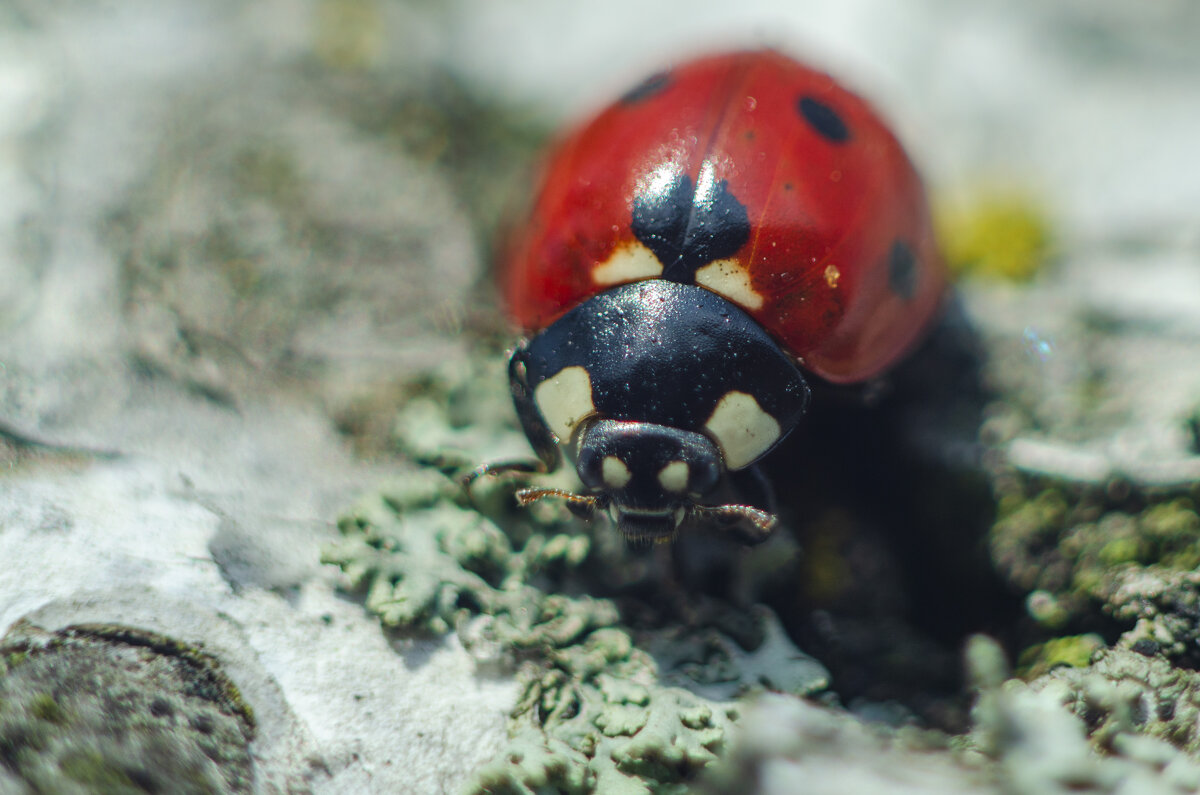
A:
(722, 232)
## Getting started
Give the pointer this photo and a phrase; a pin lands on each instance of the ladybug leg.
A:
(582, 505)
(752, 521)
(544, 443)
(753, 486)
(751, 525)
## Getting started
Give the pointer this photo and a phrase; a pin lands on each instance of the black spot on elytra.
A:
(902, 270)
(824, 119)
(647, 88)
(686, 230)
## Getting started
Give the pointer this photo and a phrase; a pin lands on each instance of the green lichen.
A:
(600, 702)
(603, 707)
(1079, 551)
(1161, 604)
(792, 745)
(1042, 737)
(1124, 692)
(595, 713)
(710, 662)
(535, 763)
(426, 560)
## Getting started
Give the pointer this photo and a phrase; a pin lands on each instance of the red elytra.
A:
(839, 264)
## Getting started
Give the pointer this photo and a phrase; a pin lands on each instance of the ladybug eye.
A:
(589, 467)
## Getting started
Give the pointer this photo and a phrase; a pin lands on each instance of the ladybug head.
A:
(651, 479)
(649, 475)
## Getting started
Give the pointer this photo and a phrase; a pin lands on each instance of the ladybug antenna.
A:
(494, 470)
(582, 504)
(762, 521)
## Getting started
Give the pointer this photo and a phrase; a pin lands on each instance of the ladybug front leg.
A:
(754, 488)
(753, 518)
(541, 439)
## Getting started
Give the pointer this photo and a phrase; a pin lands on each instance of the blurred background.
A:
(237, 238)
(224, 191)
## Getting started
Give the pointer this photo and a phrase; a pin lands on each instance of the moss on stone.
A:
(1073, 651)
(156, 714)
(44, 708)
(1081, 551)
(97, 773)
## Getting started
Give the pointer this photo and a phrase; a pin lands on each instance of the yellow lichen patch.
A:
(727, 277)
(348, 34)
(628, 263)
(1074, 651)
(1001, 234)
(825, 571)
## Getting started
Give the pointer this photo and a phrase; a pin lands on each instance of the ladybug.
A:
(699, 251)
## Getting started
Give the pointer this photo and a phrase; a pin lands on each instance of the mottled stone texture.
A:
(113, 709)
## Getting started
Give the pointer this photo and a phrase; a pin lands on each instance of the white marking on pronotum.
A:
(674, 476)
(742, 428)
(614, 472)
(727, 277)
(628, 263)
(565, 400)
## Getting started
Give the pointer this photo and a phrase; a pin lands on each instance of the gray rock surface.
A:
(198, 258)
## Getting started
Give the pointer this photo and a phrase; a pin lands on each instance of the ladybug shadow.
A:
(881, 569)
